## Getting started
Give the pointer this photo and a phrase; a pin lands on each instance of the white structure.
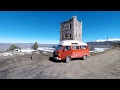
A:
(71, 42)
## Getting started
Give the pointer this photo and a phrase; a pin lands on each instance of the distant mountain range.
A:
(103, 40)
(103, 43)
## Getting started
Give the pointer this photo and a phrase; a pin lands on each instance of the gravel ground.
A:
(104, 65)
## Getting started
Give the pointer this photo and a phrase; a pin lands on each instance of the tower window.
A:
(62, 36)
(70, 26)
(66, 35)
(70, 35)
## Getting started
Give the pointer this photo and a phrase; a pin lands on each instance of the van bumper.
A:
(89, 55)
(56, 58)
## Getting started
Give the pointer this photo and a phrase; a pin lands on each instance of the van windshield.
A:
(59, 47)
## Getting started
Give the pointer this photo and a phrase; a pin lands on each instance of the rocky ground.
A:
(102, 65)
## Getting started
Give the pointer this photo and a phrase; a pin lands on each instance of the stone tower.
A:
(71, 30)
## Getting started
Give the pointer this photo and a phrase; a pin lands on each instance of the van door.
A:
(75, 51)
(66, 51)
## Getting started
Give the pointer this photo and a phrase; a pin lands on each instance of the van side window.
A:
(75, 47)
(66, 47)
(82, 47)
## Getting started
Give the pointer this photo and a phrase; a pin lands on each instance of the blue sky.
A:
(44, 26)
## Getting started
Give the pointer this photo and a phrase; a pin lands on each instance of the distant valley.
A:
(5, 46)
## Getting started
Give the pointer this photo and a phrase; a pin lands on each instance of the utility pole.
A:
(107, 42)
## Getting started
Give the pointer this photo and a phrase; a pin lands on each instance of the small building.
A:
(71, 30)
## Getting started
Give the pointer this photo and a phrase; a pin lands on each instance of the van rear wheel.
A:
(84, 57)
(68, 59)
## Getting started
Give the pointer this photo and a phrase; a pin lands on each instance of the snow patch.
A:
(46, 49)
(99, 50)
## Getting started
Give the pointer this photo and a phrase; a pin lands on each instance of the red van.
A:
(68, 49)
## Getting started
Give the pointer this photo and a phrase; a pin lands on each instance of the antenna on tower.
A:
(76, 13)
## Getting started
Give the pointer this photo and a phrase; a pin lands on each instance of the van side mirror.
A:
(64, 50)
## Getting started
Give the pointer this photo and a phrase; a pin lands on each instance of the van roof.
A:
(71, 42)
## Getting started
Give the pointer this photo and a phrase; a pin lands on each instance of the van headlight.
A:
(58, 54)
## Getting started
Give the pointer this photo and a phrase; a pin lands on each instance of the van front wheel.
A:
(84, 57)
(68, 59)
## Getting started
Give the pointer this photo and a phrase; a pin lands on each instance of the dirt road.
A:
(104, 65)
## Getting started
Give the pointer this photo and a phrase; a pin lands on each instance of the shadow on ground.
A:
(56, 61)
(63, 61)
